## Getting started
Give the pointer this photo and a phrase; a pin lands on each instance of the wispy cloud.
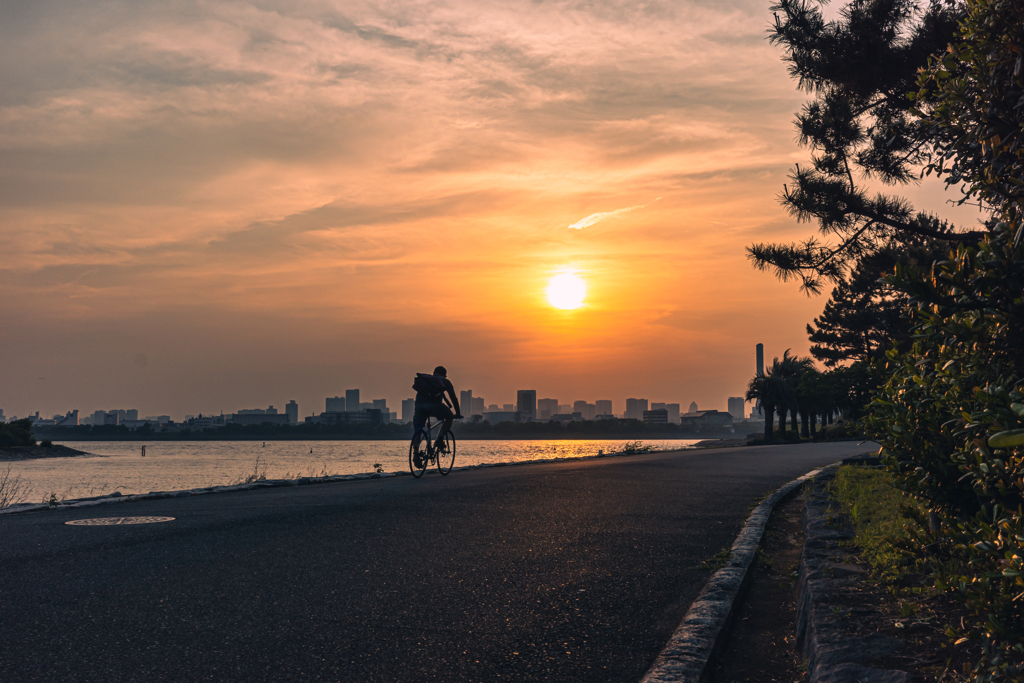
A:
(353, 161)
(595, 218)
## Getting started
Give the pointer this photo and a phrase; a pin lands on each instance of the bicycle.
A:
(423, 454)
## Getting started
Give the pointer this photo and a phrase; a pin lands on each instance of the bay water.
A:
(177, 465)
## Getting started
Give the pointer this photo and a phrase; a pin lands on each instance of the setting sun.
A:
(567, 291)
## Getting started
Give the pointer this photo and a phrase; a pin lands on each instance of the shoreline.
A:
(164, 438)
(19, 453)
(117, 497)
(23, 453)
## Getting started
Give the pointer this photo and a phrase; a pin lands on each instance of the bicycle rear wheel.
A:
(418, 454)
(446, 457)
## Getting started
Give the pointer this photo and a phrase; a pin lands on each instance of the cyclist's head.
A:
(439, 370)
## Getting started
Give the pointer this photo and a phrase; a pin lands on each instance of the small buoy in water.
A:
(310, 450)
(264, 444)
(143, 451)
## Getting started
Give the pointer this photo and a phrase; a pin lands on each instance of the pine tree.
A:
(861, 125)
(864, 317)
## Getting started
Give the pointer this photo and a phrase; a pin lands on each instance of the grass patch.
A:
(878, 511)
(906, 565)
(259, 473)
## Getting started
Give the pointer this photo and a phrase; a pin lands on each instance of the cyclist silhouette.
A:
(437, 405)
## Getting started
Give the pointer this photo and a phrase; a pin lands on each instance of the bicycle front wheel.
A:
(446, 457)
(418, 457)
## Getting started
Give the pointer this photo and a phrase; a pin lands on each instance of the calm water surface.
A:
(169, 466)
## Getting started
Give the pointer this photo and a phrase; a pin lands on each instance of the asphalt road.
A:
(573, 571)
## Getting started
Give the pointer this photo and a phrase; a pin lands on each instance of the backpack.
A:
(429, 385)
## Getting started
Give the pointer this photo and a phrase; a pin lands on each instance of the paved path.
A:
(573, 571)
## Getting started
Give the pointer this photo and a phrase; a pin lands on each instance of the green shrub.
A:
(16, 433)
(960, 385)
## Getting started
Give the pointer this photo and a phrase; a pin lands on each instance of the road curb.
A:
(689, 655)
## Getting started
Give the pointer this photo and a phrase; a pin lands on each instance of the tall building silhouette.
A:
(526, 404)
(408, 409)
(758, 411)
(693, 407)
(671, 410)
(736, 407)
(586, 410)
(292, 411)
(352, 400)
(546, 407)
(603, 407)
(466, 402)
(335, 404)
(635, 408)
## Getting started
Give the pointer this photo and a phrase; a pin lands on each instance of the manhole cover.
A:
(112, 521)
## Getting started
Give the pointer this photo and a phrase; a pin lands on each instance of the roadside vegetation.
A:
(925, 318)
(890, 529)
(885, 521)
(13, 489)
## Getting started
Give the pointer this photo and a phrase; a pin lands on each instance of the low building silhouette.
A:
(706, 417)
(365, 417)
(656, 416)
(498, 417)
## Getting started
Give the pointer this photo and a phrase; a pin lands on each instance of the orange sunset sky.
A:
(215, 205)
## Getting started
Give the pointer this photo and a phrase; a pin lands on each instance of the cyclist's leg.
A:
(445, 415)
(419, 420)
(445, 426)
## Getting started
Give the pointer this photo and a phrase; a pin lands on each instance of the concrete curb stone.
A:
(689, 654)
(824, 630)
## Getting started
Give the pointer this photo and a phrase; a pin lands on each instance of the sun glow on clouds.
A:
(367, 162)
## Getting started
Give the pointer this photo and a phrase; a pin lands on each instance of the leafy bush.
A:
(16, 433)
(961, 384)
(949, 416)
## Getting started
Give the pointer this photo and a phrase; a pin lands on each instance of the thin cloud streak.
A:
(595, 218)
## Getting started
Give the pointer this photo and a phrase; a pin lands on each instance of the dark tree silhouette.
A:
(865, 316)
(860, 126)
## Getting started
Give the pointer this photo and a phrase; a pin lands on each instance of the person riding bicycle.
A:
(432, 402)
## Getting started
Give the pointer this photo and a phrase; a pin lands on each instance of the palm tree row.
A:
(793, 387)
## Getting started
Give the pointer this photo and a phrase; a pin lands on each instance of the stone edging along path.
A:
(825, 635)
(688, 656)
(117, 497)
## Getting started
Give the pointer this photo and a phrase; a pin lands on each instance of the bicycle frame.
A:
(426, 432)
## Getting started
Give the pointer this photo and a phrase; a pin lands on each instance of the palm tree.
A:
(790, 369)
(773, 394)
(810, 400)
